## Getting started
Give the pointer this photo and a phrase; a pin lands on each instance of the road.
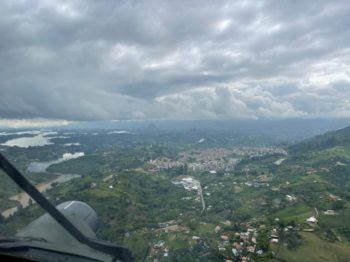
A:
(200, 193)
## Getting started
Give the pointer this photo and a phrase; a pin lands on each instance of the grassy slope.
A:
(315, 249)
(298, 213)
(329, 151)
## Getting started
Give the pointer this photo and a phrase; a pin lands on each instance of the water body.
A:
(26, 142)
(24, 199)
(32, 132)
(40, 139)
(40, 167)
(72, 144)
(119, 132)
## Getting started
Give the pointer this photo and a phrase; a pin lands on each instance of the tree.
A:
(220, 173)
(338, 205)
(263, 240)
(185, 169)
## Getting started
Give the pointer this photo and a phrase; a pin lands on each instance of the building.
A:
(312, 220)
(329, 212)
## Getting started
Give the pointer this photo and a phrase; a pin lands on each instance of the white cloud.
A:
(222, 25)
(89, 60)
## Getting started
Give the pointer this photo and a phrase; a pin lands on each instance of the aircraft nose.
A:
(82, 210)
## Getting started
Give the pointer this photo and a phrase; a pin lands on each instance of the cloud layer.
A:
(88, 60)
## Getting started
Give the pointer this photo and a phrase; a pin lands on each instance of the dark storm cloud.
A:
(82, 60)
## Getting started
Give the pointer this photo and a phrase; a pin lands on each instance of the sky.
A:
(67, 61)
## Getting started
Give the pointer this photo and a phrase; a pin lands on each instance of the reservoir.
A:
(24, 199)
(40, 167)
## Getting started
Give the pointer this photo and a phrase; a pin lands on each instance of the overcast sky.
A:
(89, 60)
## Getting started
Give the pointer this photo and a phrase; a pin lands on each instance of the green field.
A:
(298, 213)
(314, 249)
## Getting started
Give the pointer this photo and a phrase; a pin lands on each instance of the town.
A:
(214, 159)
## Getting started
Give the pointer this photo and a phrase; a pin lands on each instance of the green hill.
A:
(330, 139)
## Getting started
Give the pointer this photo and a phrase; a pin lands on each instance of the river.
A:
(38, 167)
(24, 199)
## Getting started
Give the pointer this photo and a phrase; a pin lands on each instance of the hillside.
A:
(140, 188)
(340, 137)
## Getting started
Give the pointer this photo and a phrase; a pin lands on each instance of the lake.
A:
(40, 167)
(39, 139)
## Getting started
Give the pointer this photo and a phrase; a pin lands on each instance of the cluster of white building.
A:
(214, 159)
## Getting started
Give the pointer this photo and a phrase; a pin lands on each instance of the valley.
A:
(169, 197)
